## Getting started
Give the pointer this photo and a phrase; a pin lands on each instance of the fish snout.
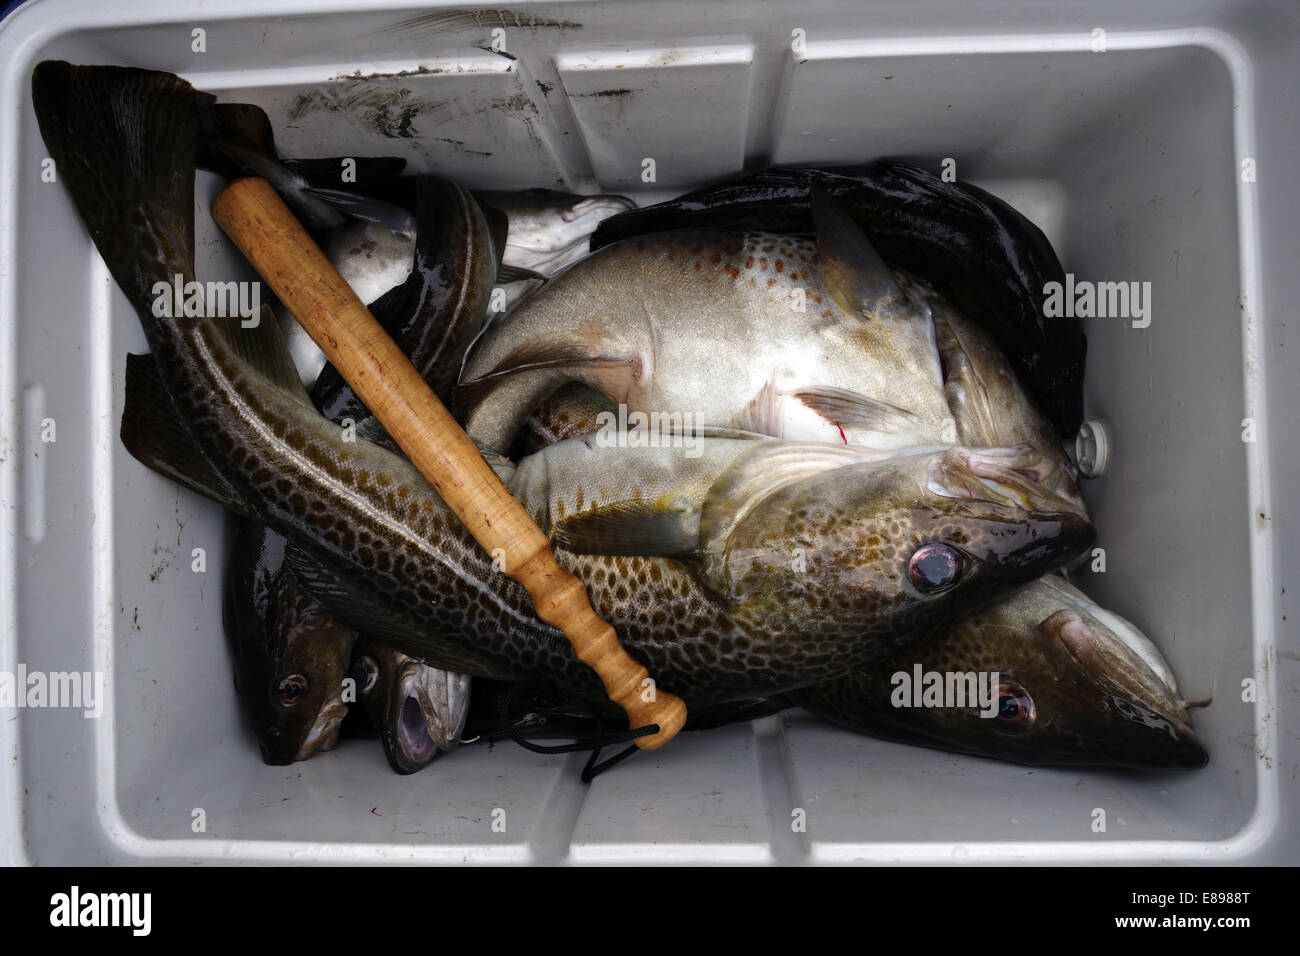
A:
(1017, 477)
(324, 732)
(1152, 717)
(1160, 739)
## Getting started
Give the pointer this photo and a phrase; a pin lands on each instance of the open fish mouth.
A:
(413, 735)
(1004, 476)
(429, 709)
(324, 732)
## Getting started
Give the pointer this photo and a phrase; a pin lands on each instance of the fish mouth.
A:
(324, 733)
(407, 742)
(413, 723)
(1183, 750)
(1056, 530)
(413, 735)
(1012, 477)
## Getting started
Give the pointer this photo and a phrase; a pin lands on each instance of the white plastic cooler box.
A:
(1153, 142)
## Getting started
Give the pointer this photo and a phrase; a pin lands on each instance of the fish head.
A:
(418, 710)
(292, 684)
(290, 655)
(903, 544)
(302, 701)
(1071, 690)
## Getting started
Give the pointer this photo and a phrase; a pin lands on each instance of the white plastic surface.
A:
(1131, 159)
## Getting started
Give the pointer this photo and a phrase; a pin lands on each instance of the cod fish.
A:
(767, 333)
(788, 582)
(770, 558)
(978, 252)
(290, 656)
(419, 711)
(989, 406)
(1079, 685)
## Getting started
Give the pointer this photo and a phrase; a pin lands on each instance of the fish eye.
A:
(291, 688)
(934, 567)
(366, 673)
(1016, 711)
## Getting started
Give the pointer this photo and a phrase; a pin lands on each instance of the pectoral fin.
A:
(755, 475)
(532, 358)
(378, 620)
(854, 410)
(366, 208)
(762, 414)
(507, 273)
(654, 529)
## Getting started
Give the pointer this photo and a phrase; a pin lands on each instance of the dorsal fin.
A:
(856, 276)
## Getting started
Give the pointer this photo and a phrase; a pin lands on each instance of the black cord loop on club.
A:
(544, 697)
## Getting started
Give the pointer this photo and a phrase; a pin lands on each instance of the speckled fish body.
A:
(782, 558)
(393, 561)
(1078, 685)
(707, 324)
(981, 254)
(753, 566)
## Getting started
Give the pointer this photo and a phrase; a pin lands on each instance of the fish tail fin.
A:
(123, 141)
